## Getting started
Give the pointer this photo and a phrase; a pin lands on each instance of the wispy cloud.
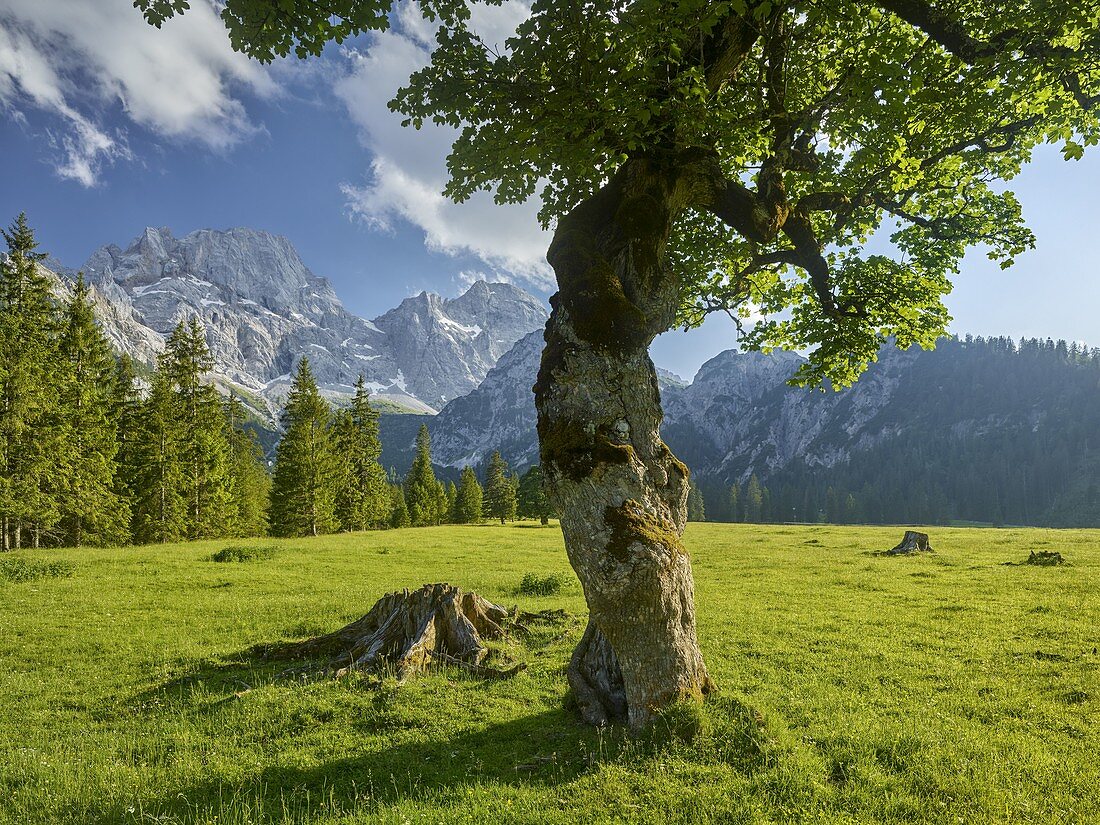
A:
(78, 60)
(409, 170)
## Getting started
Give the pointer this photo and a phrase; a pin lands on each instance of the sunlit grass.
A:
(855, 687)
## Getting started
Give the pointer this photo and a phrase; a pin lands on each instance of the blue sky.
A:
(109, 126)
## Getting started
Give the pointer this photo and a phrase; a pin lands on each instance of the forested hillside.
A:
(985, 430)
(989, 430)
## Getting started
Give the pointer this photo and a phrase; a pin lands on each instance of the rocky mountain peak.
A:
(263, 309)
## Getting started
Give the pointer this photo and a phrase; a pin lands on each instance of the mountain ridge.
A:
(263, 309)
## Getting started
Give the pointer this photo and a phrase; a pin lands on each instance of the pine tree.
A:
(468, 499)
(399, 512)
(205, 452)
(696, 510)
(126, 415)
(31, 429)
(735, 503)
(251, 482)
(754, 501)
(424, 495)
(307, 466)
(363, 501)
(531, 499)
(500, 493)
(91, 510)
(160, 503)
(451, 499)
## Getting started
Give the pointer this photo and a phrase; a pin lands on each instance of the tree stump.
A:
(913, 542)
(1045, 558)
(407, 631)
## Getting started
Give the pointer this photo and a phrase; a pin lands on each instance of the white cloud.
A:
(409, 168)
(75, 59)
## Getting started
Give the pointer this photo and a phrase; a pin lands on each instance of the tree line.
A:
(95, 450)
(328, 478)
(995, 431)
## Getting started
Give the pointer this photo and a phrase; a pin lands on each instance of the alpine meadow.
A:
(481, 557)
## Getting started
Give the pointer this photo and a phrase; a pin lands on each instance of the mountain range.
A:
(263, 309)
(985, 430)
(978, 429)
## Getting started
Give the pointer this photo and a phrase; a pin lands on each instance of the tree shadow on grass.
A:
(542, 750)
(448, 759)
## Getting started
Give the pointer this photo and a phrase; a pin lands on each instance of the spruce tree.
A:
(205, 451)
(424, 495)
(735, 503)
(399, 511)
(450, 500)
(754, 501)
(531, 500)
(251, 482)
(468, 498)
(307, 467)
(159, 504)
(126, 415)
(696, 509)
(91, 509)
(31, 429)
(363, 501)
(500, 493)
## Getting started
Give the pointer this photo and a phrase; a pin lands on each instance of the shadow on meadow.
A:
(543, 750)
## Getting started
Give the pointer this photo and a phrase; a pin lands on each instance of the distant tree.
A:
(424, 495)
(126, 404)
(31, 426)
(696, 509)
(90, 507)
(851, 510)
(735, 503)
(160, 503)
(754, 501)
(450, 501)
(500, 493)
(307, 467)
(468, 498)
(399, 511)
(363, 501)
(204, 448)
(531, 498)
(251, 482)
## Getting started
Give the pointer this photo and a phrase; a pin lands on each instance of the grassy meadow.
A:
(855, 688)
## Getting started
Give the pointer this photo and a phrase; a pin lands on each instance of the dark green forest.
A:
(94, 453)
(987, 430)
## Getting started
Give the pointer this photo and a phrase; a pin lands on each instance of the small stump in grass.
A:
(913, 542)
(1045, 558)
(408, 631)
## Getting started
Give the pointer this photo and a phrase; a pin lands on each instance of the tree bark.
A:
(621, 493)
(410, 630)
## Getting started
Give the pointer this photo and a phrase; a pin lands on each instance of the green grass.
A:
(856, 688)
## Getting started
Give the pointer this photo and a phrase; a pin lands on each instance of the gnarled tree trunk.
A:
(621, 493)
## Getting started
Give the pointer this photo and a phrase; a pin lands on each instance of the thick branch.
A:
(740, 209)
(945, 30)
(808, 249)
(726, 49)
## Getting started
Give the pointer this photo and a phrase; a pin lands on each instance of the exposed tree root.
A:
(596, 679)
(407, 631)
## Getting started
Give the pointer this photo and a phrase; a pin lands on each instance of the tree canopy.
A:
(792, 131)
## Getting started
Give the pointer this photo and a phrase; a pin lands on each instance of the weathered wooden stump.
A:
(407, 631)
(912, 542)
